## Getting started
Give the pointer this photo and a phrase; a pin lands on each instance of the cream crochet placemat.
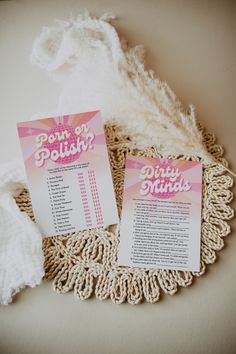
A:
(85, 262)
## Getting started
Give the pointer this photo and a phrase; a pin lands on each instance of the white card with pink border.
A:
(68, 172)
(161, 214)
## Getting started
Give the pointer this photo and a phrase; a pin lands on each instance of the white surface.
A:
(191, 45)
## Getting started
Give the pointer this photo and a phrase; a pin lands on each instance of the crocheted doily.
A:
(85, 261)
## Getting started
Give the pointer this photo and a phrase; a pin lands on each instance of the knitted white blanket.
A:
(97, 70)
(21, 257)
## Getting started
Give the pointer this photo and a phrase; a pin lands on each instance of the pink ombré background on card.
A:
(190, 171)
(28, 131)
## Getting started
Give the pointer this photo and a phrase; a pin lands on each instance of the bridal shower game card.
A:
(161, 215)
(68, 172)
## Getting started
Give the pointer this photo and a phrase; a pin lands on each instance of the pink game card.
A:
(68, 172)
(161, 215)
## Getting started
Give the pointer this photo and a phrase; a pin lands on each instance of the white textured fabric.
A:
(97, 70)
(21, 255)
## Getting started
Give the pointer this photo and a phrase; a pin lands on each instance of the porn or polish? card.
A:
(161, 215)
(68, 172)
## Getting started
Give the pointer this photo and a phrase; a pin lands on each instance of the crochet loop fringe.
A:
(85, 261)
